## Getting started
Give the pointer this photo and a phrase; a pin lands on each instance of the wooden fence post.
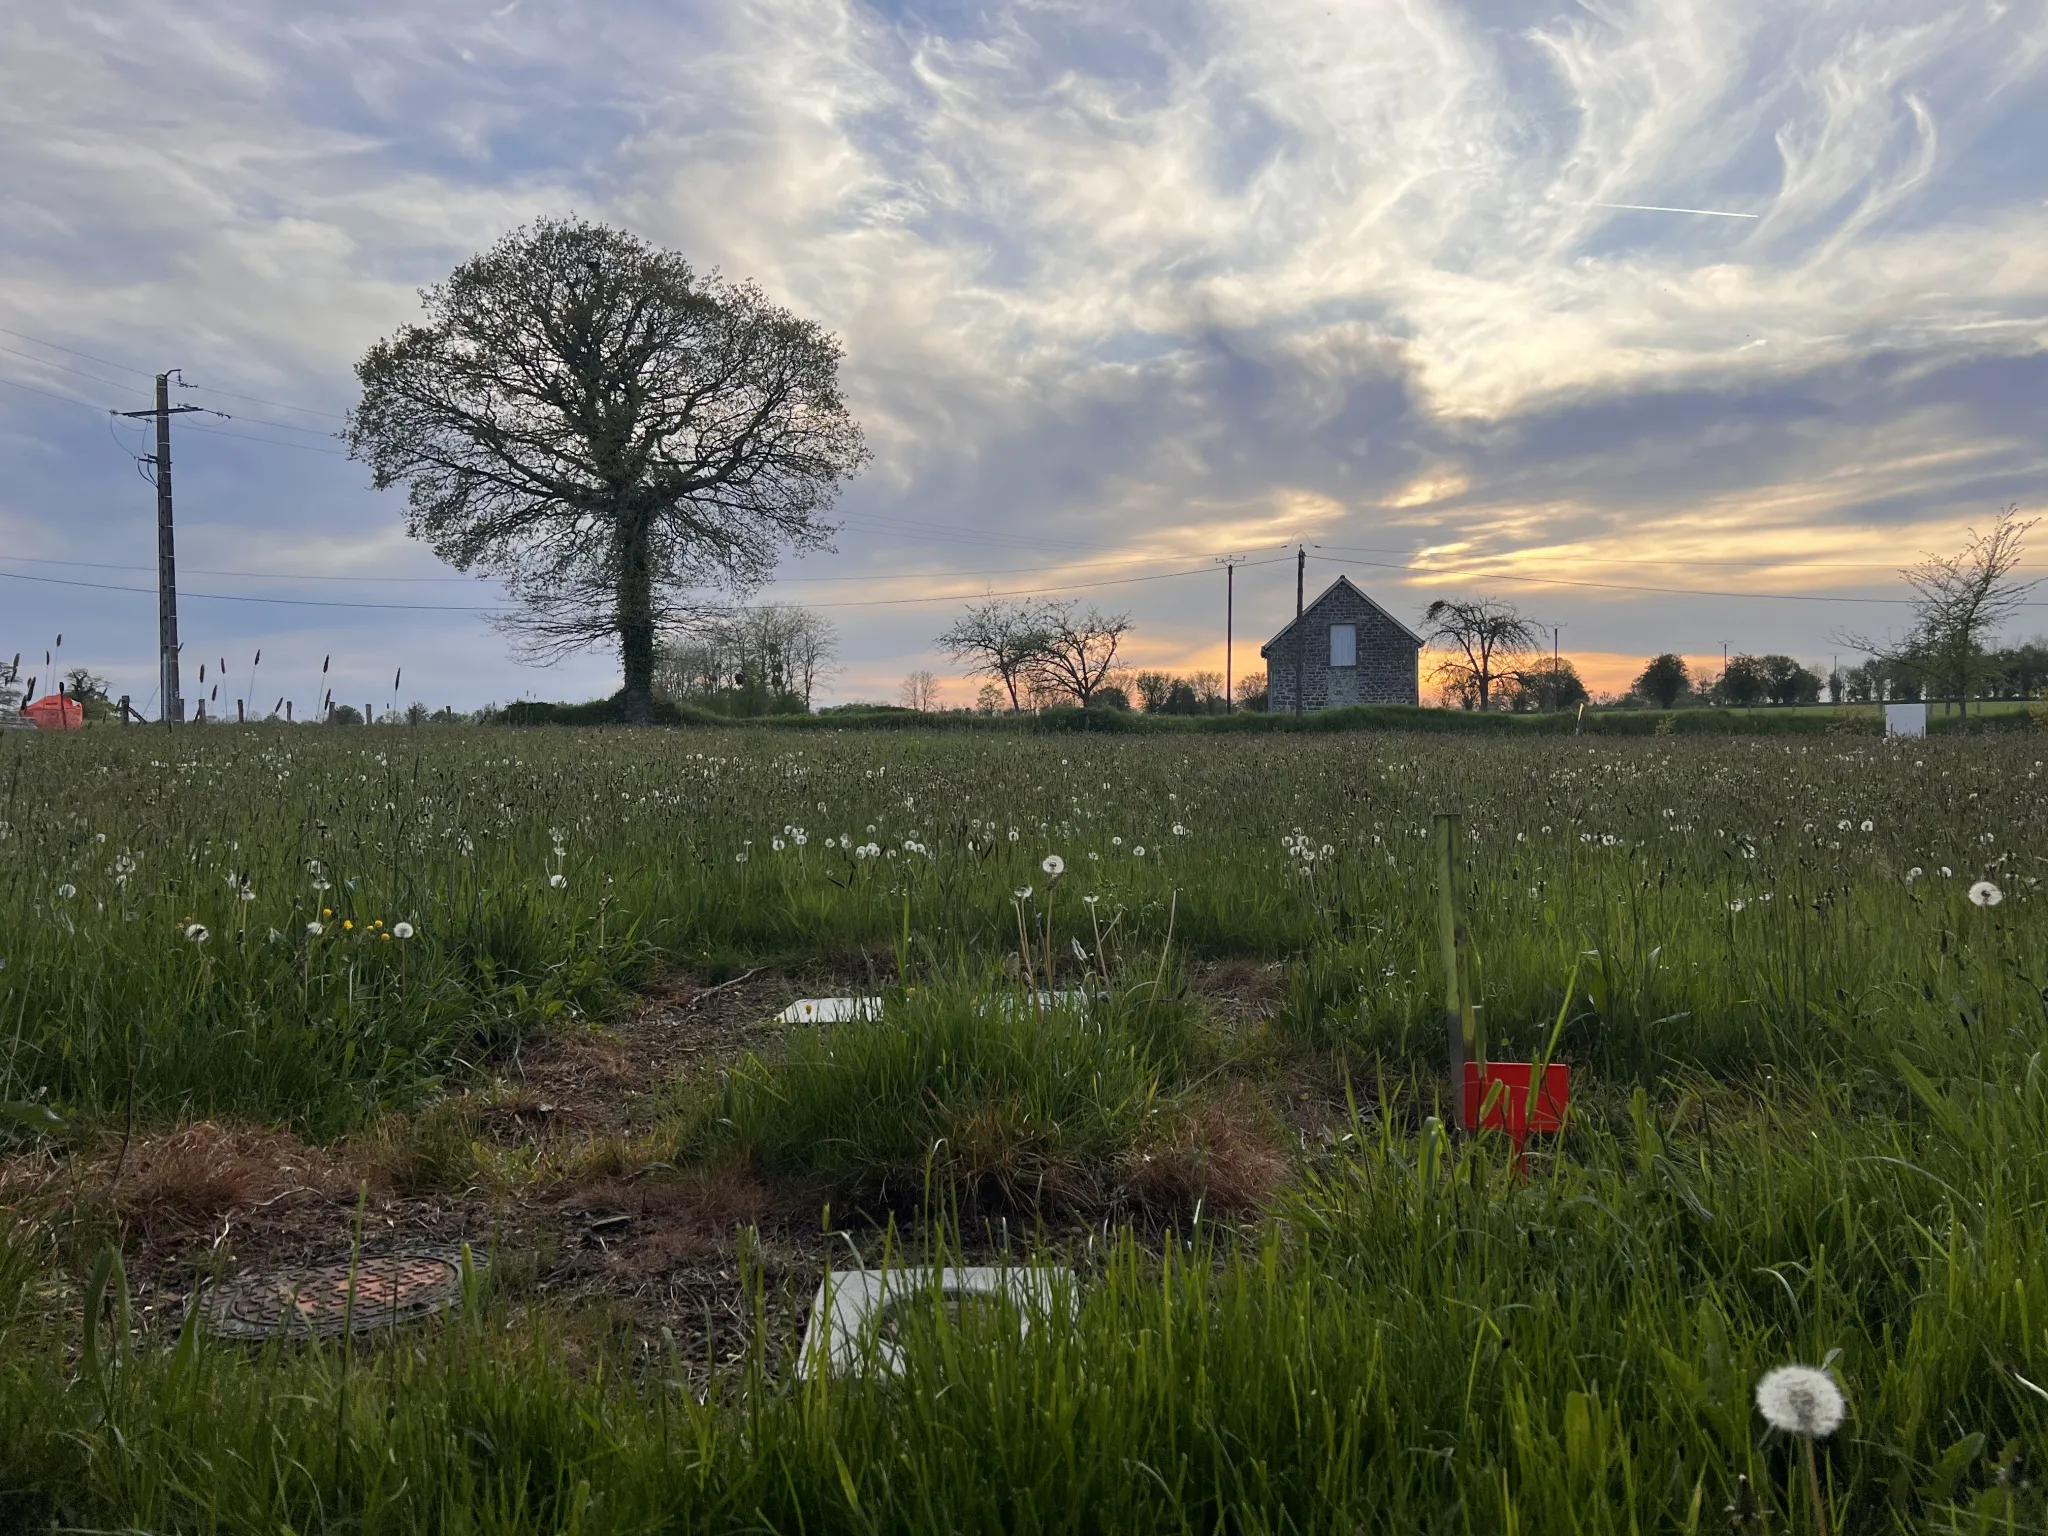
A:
(1461, 1017)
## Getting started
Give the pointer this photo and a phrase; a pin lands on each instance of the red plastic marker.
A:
(1497, 1099)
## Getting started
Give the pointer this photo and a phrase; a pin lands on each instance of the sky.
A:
(1123, 288)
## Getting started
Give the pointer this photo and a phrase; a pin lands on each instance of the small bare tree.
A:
(999, 641)
(920, 691)
(1958, 601)
(1484, 638)
(1078, 651)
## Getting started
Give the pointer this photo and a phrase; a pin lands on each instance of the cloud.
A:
(1116, 282)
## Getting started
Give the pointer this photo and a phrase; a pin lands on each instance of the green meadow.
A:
(1164, 1010)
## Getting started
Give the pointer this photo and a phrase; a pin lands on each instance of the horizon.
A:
(1676, 326)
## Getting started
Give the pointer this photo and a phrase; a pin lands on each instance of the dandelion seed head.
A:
(66, 891)
(1985, 894)
(1801, 1400)
(558, 881)
(196, 933)
(316, 928)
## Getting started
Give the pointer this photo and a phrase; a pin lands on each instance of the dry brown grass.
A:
(1222, 1153)
(191, 1177)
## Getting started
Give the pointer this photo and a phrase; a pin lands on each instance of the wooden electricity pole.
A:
(1300, 635)
(1229, 564)
(166, 553)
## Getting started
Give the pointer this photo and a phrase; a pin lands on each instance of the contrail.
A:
(1712, 213)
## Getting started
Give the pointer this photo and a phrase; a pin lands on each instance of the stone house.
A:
(1354, 652)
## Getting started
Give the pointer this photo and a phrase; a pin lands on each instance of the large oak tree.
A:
(584, 416)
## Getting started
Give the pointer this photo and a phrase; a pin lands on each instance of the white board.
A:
(844, 1333)
(845, 1010)
(830, 1010)
(1905, 719)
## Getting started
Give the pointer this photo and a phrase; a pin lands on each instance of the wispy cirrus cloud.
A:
(1115, 282)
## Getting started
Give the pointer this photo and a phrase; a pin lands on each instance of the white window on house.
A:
(1343, 645)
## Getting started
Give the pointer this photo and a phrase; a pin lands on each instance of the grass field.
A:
(271, 994)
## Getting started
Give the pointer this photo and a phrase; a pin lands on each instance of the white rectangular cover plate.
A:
(847, 1314)
(830, 1010)
(844, 1010)
(1905, 719)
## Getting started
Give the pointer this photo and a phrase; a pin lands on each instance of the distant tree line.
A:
(1036, 653)
(763, 660)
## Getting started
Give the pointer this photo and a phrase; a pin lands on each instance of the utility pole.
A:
(1300, 636)
(1556, 691)
(166, 553)
(1229, 564)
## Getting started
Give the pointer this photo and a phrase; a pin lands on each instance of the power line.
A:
(1615, 586)
(1072, 586)
(51, 394)
(282, 405)
(339, 453)
(282, 426)
(99, 565)
(1596, 559)
(74, 352)
(1091, 565)
(229, 597)
(44, 362)
(878, 602)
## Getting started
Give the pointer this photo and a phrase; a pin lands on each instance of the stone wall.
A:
(1388, 657)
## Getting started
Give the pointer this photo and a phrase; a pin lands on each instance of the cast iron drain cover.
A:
(312, 1302)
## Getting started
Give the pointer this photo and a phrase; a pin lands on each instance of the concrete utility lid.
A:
(830, 1010)
(313, 1302)
(851, 1317)
(843, 1010)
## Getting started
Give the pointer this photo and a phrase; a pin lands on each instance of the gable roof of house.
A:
(1308, 613)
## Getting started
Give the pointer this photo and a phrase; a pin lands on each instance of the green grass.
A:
(1638, 850)
(979, 1094)
(1419, 1341)
(1808, 1071)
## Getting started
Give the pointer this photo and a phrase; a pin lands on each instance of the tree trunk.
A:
(636, 625)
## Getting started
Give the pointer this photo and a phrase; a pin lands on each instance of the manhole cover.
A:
(313, 1301)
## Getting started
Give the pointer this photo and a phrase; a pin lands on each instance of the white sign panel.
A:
(1905, 719)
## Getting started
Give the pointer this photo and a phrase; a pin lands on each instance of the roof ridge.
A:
(1310, 607)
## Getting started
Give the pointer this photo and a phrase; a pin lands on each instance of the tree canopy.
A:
(1665, 680)
(1484, 638)
(1958, 602)
(586, 417)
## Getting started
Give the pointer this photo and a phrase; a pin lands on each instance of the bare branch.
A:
(1485, 638)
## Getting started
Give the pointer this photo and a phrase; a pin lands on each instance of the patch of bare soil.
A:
(555, 1170)
(1241, 994)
